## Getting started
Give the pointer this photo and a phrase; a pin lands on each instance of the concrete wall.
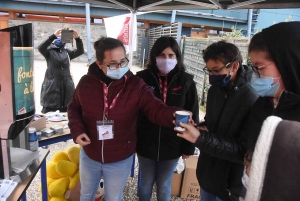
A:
(44, 29)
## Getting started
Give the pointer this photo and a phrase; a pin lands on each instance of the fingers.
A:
(57, 32)
(180, 135)
(83, 140)
(184, 125)
(75, 34)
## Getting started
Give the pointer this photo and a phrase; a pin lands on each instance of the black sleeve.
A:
(231, 149)
(76, 52)
(42, 48)
(192, 105)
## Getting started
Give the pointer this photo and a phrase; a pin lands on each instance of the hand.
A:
(58, 33)
(191, 134)
(191, 121)
(185, 156)
(75, 34)
(202, 128)
(83, 139)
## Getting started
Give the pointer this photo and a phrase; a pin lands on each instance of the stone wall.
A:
(44, 29)
(193, 61)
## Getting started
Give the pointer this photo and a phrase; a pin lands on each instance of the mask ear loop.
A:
(227, 78)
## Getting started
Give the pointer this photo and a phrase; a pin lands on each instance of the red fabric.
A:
(86, 107)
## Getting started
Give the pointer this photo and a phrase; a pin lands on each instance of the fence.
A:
(193, 61)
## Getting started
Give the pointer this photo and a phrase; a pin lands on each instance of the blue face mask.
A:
(58, 43)
(117, 74)
(263, 86)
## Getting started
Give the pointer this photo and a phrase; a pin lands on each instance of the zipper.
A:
(158, 148)
(103, 124)
(62, 87)
(159, 133)
(158, 143)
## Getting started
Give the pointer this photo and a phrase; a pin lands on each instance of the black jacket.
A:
(58, 87)
(220, 165)
(161, 143)
(288, 109)
(286, 55)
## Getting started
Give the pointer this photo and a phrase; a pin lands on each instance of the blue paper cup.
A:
(181, 116)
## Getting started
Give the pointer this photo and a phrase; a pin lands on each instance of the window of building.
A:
(3, 14)
(75, 19)
(140, 24)
(37, 17)
(97, 20)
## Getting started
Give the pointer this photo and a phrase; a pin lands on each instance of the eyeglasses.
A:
(114, 66)
(256, 69)
(215, 72)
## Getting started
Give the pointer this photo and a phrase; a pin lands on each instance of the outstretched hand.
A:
(191, 133)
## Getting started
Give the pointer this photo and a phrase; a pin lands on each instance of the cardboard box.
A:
(38, 124)
(176, 184)
(190, 187)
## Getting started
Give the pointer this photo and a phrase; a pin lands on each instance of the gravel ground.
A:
(77, 69)
(130, 190)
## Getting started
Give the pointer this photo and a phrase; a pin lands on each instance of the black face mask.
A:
(219, 80)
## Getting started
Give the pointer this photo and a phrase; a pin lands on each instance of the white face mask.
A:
(117, 74)
(165, 65)
(245, 178)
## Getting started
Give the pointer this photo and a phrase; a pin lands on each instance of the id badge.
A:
(105, 129)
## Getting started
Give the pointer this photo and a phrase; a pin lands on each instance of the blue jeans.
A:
(115, 177)
(155, 171)
(205, 196)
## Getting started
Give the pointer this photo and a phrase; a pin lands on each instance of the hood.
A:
(283, 42)
(243, 78)
(52, 46)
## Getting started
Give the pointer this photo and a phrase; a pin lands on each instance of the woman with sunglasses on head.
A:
(229, 101)
(103, 116)
(158, 147)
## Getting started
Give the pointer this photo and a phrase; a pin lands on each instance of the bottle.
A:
(180, 166)
(32, 138)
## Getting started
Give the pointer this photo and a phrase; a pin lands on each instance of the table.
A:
(66, 135)
(45, 141)
(20, 190)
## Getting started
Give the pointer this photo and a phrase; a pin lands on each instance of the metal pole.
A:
(143, 58)
(133, 15)
(250, 13)
(88, 31)
(173, 16)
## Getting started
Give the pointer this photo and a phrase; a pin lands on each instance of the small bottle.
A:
(32, 138)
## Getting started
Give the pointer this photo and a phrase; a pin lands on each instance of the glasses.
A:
(114, 66)
(256, 69)
(215, 72)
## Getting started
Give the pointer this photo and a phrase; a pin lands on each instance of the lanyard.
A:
(163, 89)
(105, 92)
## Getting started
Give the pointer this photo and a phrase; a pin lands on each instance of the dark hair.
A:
(222, 51)
(258, 43)
(105, 43)
(159, 46)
